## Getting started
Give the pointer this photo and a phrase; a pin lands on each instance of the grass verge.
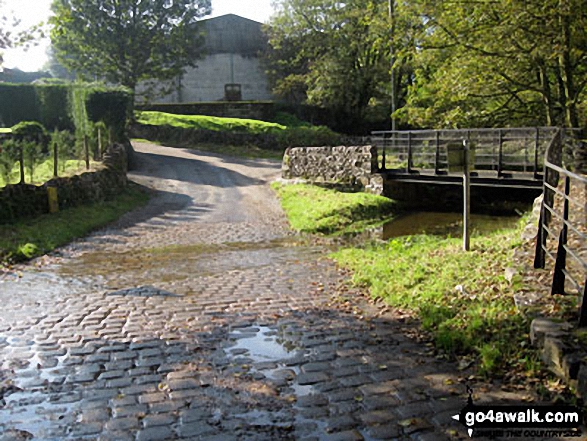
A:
(250, 131)
(313, 209)
(238, 151)
(204, 122)
(462, 299)
(43, 171)
(33, 237)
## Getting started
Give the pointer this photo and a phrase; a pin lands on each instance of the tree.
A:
(9, 38)
(337, 55)
(127, 41)
(504, 62)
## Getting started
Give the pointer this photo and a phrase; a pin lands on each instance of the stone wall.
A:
(180, 137)
(263, 110)
(20, 201)
(339, 165)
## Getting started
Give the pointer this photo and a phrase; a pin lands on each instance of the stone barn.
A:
(230, 69)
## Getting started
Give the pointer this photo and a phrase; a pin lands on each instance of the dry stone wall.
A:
(20, 201)
(338, 165)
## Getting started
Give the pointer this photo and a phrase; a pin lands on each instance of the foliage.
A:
(314, 209)
(66, 106)
(18, 102)
(54, 105)
(8, 38)
(328, 53)
(203, 122)
(499, 63)
(38, 160)
(127, 41)
(339, 55)
(33, 237)
(289, 120)
(452, 64)
(109, 106)
(278, 135)
(420, 273)
(69, 155)
(9, 155)
(30, 131)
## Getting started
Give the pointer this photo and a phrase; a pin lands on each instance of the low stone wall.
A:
(20, 201)
(188, 137)
(338, 165)
(263, 110)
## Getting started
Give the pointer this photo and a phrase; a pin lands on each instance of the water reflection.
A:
(445, 224)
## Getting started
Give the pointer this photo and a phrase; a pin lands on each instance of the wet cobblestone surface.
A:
(179, 324)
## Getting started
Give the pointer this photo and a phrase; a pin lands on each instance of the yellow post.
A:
(53, 199)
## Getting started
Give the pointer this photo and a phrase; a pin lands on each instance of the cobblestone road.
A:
(201, 317)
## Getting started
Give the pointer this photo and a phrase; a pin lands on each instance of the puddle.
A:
(180, 263)
(445, 224)
(37, 413)
(276, 359)
(260, 344)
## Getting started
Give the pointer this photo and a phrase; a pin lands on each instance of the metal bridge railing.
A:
(562, 229)
(501, 150)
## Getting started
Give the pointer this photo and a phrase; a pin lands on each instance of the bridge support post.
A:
(409, 152)
(437, 156)
(536, 147)
(500, 156)
(466, 198)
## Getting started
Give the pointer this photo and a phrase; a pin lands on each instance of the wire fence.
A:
(25, 160)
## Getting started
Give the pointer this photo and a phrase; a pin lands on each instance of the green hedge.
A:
(68, 106)
(18, 102)
(109, 106)
(54, 106)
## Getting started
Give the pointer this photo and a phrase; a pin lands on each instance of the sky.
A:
(31, 12)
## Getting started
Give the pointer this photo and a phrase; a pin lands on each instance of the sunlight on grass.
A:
(422, 274)
(314, 209)
(43, 172)
(203, 122)
(32, 237)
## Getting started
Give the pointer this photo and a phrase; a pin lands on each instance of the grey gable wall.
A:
(232, 47)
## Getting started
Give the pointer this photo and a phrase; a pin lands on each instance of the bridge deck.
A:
(480, 178)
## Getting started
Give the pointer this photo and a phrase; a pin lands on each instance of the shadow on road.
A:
(190, 170)
(150, 372)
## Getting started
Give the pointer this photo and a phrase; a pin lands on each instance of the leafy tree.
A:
(504, 62)
(127, 41)
(9, 38)
(337, 54)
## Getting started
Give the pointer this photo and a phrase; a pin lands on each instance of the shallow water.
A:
(445, 224)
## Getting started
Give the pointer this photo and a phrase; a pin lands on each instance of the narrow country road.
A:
(202, 317)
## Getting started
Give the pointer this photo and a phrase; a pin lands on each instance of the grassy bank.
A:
(263, 134)
(462, 299)
(33, 237)
(312, 209)
(237, 151)
(203, 122)
(43, 172)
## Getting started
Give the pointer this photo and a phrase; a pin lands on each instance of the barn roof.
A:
(231, 33)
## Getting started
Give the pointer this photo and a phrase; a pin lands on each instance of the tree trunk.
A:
(566, 67)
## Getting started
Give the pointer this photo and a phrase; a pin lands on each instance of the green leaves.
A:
(329, 53)
(127, 41)
(499, 63)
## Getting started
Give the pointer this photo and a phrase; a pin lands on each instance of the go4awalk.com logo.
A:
(520, 421)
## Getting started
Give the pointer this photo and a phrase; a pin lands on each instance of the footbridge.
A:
(508, 157)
